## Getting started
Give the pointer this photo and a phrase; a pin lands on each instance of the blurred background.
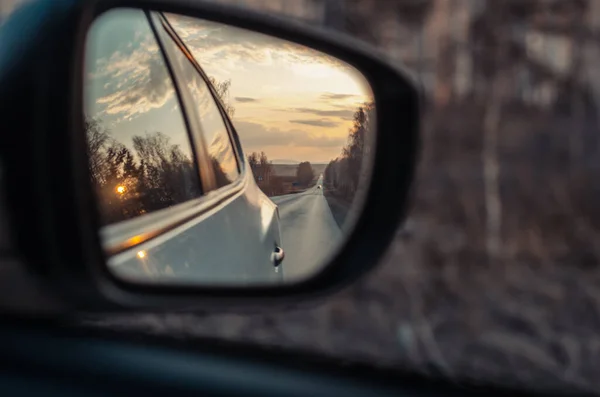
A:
(494, 275)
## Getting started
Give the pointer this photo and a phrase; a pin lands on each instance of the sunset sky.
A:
(290, 101)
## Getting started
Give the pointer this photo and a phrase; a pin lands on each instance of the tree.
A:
(261, 166)
(305, 173)
(344, 173)
(159, 174)
(253, 160)
(271, 184)
(355, 149)
(167, 173)
(331, 175)
(97, 140)
(115, 176)
(265, 167)
(222, 89)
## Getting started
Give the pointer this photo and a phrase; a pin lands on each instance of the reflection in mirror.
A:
(220, 156)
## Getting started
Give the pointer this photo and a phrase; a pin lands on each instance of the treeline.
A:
(276, 185)
(265, 178)
(342, 175)
(156, 175)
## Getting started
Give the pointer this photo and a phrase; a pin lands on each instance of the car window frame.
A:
(160, 18)
(233, 135)
(118, 235)
(120, 238)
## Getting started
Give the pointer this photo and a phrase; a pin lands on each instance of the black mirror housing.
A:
(53, 213)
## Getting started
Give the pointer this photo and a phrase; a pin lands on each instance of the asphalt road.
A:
(309, 231)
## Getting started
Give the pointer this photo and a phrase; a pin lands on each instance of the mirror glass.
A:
(220, 156)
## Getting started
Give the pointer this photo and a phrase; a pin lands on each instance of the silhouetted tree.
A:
(168, 174)
(305, 173)
(355, 149)
(97, 139)
(262, 168)
(265, 166)
(253, 160)
(158, 175)
(113, 178)
(260, 165)
(343, 173)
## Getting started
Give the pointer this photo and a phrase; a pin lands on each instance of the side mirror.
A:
(187, 153)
